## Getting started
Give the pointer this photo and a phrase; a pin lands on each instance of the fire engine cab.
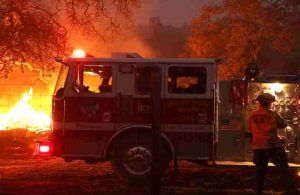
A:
(102, 111)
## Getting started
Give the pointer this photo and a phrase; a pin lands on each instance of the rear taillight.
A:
(298, 102)
(44, 148)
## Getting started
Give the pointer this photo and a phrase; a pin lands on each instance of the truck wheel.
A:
(132, 157)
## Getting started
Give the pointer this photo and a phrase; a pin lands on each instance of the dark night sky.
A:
(171, 12)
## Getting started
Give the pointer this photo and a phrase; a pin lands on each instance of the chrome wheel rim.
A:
(137, 160)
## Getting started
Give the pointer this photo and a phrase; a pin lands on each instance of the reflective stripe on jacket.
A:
(263, 124)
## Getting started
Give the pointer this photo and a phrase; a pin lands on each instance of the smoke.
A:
(172, 12)
(123, 41)
(134, 36)
(152, 40)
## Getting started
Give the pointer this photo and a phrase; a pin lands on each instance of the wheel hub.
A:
(138, 160)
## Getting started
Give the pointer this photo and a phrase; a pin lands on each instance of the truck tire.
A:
(131, 157)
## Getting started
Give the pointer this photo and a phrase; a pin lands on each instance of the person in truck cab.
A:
(266, 145)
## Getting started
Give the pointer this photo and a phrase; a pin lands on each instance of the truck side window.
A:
(97, 78)
(142, 78)
(187, 80)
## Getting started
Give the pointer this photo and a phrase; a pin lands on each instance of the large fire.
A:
(23, 116)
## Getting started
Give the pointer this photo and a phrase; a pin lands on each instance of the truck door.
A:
(90, 109)
(124, 91)
(134, 94)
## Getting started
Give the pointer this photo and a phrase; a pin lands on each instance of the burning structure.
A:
(25, 106)
(23, 116)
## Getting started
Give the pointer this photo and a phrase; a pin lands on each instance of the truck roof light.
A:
(78, 53)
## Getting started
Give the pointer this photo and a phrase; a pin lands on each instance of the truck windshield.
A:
(61, 80)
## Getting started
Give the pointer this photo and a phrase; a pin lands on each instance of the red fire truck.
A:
(102, 111)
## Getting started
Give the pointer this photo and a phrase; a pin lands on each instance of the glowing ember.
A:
(25, 117)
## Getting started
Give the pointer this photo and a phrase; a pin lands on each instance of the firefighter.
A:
(266, 144)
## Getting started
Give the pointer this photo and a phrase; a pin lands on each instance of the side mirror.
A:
(59, 92)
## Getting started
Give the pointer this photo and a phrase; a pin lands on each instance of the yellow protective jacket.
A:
(263, 124)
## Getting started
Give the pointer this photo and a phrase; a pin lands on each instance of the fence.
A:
(25, 101)
(38, 97)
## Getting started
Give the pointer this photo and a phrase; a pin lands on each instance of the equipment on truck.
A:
(238, 101)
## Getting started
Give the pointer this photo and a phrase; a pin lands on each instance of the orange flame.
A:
(25, 117)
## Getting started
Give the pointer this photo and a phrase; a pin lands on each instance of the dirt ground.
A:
(29, 175)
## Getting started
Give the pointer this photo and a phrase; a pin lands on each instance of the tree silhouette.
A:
(32, 32)
(244, 31)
